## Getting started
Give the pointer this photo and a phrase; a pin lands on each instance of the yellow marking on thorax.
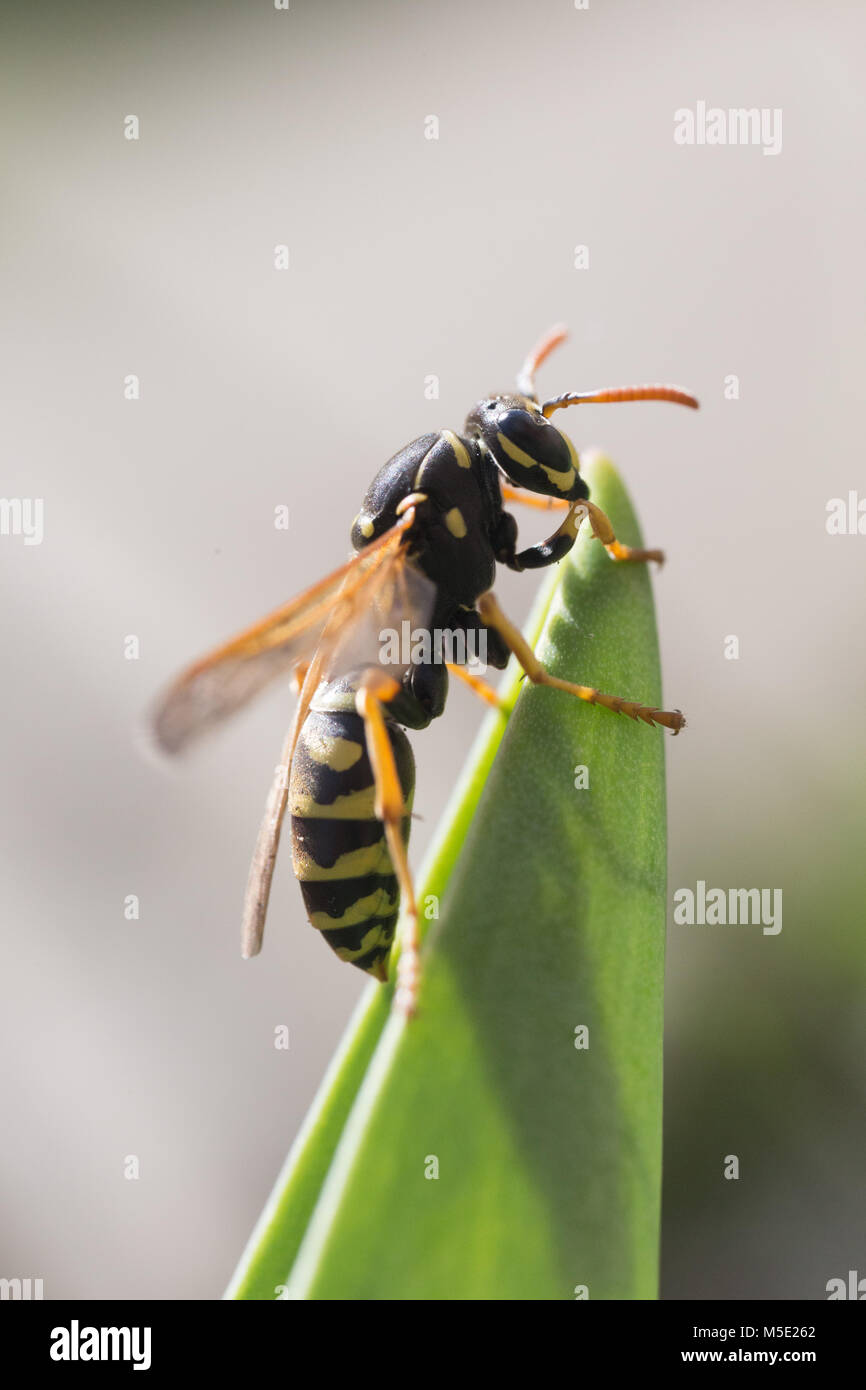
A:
(339, 754)
(455, 523)
(562, 480)
(461, 453)
(364, 525)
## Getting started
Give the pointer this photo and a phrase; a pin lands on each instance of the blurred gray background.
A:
(411, 257)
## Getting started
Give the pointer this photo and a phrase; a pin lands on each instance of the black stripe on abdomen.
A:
(339, 849)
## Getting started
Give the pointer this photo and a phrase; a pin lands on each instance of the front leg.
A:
(598, 520)
(543, 553)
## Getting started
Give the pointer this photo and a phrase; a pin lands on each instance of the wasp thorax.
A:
(529, 449)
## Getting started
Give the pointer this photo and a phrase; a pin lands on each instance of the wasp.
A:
(430, 533)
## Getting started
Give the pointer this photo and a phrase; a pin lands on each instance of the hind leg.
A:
(479, 687)
(374, 693)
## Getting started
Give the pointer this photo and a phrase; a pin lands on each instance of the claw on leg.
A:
(602, 528)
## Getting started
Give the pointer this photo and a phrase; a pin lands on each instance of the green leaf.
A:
(476, 1152)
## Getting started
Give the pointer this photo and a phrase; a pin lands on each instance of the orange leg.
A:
(375, 691)
(494, 617)
(602, 528)
(481, 688)
(533, 499)
(598, 520)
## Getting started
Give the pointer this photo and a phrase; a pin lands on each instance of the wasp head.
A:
(530, 451)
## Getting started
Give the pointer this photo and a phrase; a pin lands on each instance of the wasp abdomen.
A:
(339, 850)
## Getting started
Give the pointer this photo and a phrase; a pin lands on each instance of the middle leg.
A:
(493, 615)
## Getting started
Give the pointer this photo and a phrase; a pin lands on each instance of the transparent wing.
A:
(357, 595)
(383, 626)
